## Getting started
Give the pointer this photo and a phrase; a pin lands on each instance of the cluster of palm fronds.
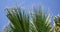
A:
(21, 22)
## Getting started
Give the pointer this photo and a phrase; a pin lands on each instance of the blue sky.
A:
(52, 5)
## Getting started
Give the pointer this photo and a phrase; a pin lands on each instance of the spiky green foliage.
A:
(41, 21)
(57, 23)
(20, 21)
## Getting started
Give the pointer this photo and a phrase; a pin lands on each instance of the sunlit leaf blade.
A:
(57, 23)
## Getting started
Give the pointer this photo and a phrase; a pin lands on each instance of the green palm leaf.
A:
(19, 20)
(41, 21)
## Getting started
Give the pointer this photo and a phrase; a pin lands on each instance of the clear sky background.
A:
(52, 5)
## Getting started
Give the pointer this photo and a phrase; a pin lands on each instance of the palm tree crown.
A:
(20, 21)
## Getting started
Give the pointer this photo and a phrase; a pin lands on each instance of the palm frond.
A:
(41, 21)
(19, 19)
